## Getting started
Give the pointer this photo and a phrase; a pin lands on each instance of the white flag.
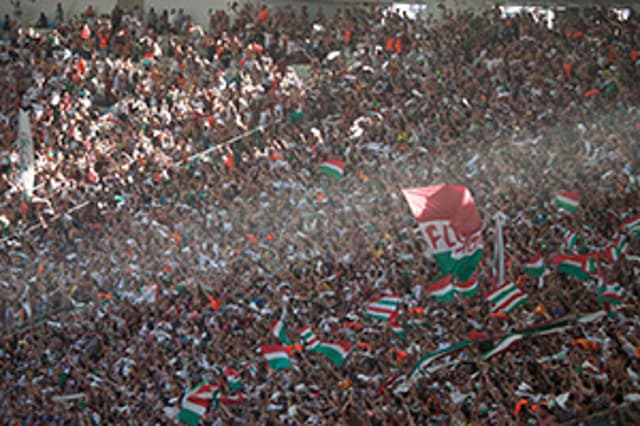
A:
(25, 143)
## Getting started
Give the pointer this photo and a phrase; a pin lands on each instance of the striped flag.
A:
(506, 298)
(535, 267)
(382, 307)
(279, 330)
(233, 378)
(503, 345)
(396, 327)
(632, 226)
(427, 359)
(583, 266)
(468, 288)
(442, 289)
(195, 403)
(569, 239)
(333, 168)
(336, 352)
(568, 201)
(610, 293)
(309, 338)
(276, 356)
(617, 250)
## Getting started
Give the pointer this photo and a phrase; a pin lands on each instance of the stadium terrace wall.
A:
(198, 9)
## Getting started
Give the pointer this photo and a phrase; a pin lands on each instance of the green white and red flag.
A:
(442, 289)
(333, 168)
(276, 356)
(503, 345)
(429, 358)
(469, 288)
(451, 225)
(250, 366)
(309, 338)
(570, 240)
(196, 402)
(506, 298)
(396, 327)
(610, 293)
(149, 293)
(632, 225)
(233, 378)
(583, 266)
(591, 369)
(568, 201)
(337, 352)
(535, 266)
(382, 307)
(617, 250)
(279, 330)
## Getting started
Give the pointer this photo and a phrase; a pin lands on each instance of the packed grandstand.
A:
(289, 218)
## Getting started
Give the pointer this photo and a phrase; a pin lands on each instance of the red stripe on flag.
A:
(508, 301)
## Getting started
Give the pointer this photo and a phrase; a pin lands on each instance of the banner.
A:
(25, 142)
(451, 225)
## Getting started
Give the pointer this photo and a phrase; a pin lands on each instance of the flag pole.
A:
(498, 252)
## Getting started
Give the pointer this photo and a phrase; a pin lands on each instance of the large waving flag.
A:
(452, 227)
(583, 266)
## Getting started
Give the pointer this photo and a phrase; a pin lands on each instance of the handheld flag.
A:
(279, 330)
(583, 266)
(195, 403)
(382, 307)
(506, 298)
(333, 168)
(567, 201)
(276, 356)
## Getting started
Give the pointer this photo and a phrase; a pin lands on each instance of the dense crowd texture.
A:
(251, 232)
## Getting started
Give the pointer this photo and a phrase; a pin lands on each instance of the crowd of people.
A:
(186, 160)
